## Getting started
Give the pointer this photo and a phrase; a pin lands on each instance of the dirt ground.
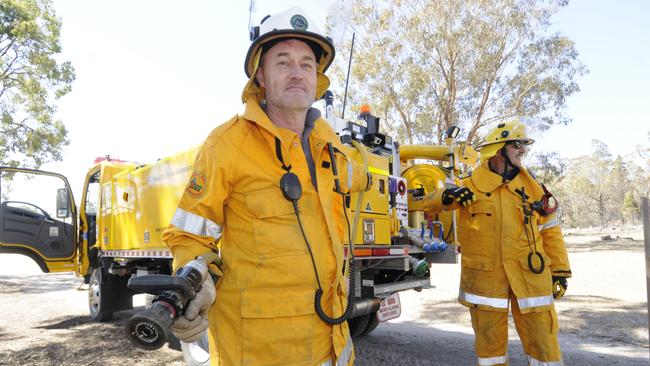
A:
(603, 316)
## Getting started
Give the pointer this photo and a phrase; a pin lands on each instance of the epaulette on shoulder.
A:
(220, 130)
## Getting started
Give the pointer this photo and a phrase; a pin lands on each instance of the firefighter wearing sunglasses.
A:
(513, 253)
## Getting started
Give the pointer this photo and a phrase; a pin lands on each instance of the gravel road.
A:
(603, 317)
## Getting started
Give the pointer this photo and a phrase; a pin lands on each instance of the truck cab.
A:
(113, 234)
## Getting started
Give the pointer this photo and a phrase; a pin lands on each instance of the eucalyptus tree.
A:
(31, 80)
(427, 64)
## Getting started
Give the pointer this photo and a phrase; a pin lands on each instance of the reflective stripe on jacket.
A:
(264, 309)
(495, 243)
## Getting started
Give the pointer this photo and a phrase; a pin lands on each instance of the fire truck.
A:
(114, 232)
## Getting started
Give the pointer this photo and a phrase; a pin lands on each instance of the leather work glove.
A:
(190, 327)
(560, 285)
(463, 195)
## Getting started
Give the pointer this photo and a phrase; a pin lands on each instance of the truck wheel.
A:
(358, 325)
(197, 353)
(373, 322)
(99, 303)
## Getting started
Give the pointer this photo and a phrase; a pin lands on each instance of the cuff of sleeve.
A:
(561, 273)
(184, 255)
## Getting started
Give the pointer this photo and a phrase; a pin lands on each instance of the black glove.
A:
(560, 285)
(463, 195)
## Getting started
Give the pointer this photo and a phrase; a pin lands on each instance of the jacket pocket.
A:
(477, 274)
(478, 236)
(537, 284)
(275, 224)
(555, 326)
(481, 217)
(277, 326)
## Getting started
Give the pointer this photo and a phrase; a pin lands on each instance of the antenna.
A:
(347, 79)
(251, 6)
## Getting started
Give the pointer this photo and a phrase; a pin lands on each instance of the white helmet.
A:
(290, 24)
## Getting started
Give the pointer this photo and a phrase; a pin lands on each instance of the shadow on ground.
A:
(416, 344)
(586, 323)
(620, 244)
(84, 342)
(605, 320)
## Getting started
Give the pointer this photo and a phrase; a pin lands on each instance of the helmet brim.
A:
(524, 141)
(325, 44)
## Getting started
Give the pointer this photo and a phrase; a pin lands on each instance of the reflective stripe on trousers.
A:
(535, 362)
(531, 302)
(344, 358)
(492, 360)
(482, 300)
(499, 303)
(195, 224)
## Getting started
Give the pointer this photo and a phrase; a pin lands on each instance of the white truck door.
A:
(38, 218)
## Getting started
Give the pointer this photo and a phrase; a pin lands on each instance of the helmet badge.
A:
(299, 22)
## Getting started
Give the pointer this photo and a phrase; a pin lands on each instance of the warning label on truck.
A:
(390, 308)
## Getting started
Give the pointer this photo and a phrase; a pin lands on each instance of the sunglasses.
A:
(517, 144)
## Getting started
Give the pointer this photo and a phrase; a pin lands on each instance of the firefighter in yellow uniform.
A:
(239, 197)
(513, 253)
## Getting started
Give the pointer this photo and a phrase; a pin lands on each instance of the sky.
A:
(612, 106)
(155, 77)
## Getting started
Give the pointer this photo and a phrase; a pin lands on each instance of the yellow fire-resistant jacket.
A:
(264, 309)
(495, 246)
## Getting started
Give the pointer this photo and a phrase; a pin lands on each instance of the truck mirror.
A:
(62, 203)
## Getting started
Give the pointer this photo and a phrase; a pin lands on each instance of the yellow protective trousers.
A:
(537, 331)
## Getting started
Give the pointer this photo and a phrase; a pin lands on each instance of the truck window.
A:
(92, 207)
(92, 198)
(32, 193)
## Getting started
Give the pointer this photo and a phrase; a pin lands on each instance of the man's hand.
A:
(190, 327)
(463, 195)
(560, 285)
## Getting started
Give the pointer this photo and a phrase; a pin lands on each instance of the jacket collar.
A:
(486, 180)
(318, 126)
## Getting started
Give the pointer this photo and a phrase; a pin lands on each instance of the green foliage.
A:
(631, 207)
(426, 65)
(600, 190)
(31, 79)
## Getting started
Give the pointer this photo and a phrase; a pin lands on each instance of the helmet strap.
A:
(508, 167)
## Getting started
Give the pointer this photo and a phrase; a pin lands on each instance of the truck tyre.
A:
(99, 303)
(358, 325)
(373, 322)
(197, 353)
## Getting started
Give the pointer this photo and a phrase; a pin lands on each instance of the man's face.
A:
(516, 151)
(288, 74)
